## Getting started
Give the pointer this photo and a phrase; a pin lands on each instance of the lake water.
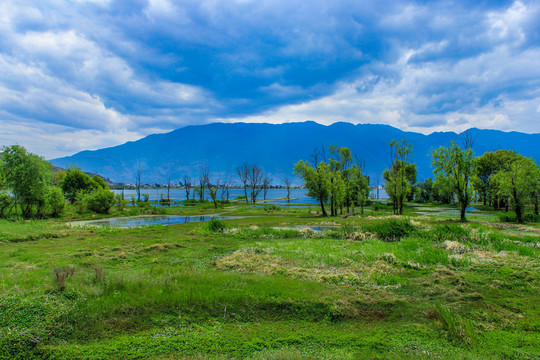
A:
(133, 221)
(274, 196)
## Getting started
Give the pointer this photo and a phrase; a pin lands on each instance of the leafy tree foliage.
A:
(338, 181)
(316, 180)
(454, 166)
(76, 181)
(401, 175)
(55, 200)
(485, 167)
(27, 176)
(519, 181)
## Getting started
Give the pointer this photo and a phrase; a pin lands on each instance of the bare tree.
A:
(213, 192)
(467, 140)
(255, 179)
(315, 156)
(138, 180)
(265, 185)
(169, 191)
(204, 179)
(187, 185)
(243, 174)
(287, 182)
(225, 186)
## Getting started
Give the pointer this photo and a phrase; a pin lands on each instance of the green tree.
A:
(316, 180)
(518, 181)
(425, 190)
(454, 166)
(76, 181)
(55, 200)
(27, 176)
(442, 191)
(484, 167)
(359, 187)
(401, 175)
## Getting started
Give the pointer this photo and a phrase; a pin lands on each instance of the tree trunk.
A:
(519, 214)
(322, 208)
(245, 192)
(462, 212)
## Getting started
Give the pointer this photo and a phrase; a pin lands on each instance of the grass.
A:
(373, 286)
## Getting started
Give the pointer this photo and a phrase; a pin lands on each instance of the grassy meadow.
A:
(268, 286)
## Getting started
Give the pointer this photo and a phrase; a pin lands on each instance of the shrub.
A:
(100, 201)
(529, 217)
(55, 200)
(120, 203)
(391, 230)
(216, 225)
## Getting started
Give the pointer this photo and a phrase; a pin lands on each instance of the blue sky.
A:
(87, 74)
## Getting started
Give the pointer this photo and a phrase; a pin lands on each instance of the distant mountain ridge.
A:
(275, 148)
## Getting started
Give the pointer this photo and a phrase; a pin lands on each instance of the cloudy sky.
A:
(86, 74)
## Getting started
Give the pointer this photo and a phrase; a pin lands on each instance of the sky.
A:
(88, 74)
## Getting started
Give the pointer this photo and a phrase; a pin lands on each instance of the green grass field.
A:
(374, 286)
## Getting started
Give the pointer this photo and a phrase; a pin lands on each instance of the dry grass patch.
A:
(258, 261)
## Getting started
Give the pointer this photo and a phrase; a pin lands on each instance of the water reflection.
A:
(134, 221)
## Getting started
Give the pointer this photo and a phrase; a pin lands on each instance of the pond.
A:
(134, 221)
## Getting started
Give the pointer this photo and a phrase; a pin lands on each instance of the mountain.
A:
(275, 148)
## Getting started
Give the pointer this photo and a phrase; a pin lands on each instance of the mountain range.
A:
(275, 148)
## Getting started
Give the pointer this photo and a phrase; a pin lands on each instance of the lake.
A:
(274, 196)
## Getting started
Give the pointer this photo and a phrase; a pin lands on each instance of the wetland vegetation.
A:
(377, 285)
(379, 279)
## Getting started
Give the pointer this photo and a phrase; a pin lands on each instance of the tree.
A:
(255, 179)
(213, 193)
(243, 174)
(400, 176)
(454, 166)
(55, 200)
(359, 187)
(316, 180)
(287, 182)
(484, 167)
(138, 182)
(518, 181)
(204, 180)
(225, 187)
(76, 180)
(187, 185)
(27, 176)
(425, 190)
(265, 186)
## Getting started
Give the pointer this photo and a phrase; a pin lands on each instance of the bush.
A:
(511, 217)
(55, 200)
(100, 201)
(216, 225)
(120, 203)
(391, 230)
